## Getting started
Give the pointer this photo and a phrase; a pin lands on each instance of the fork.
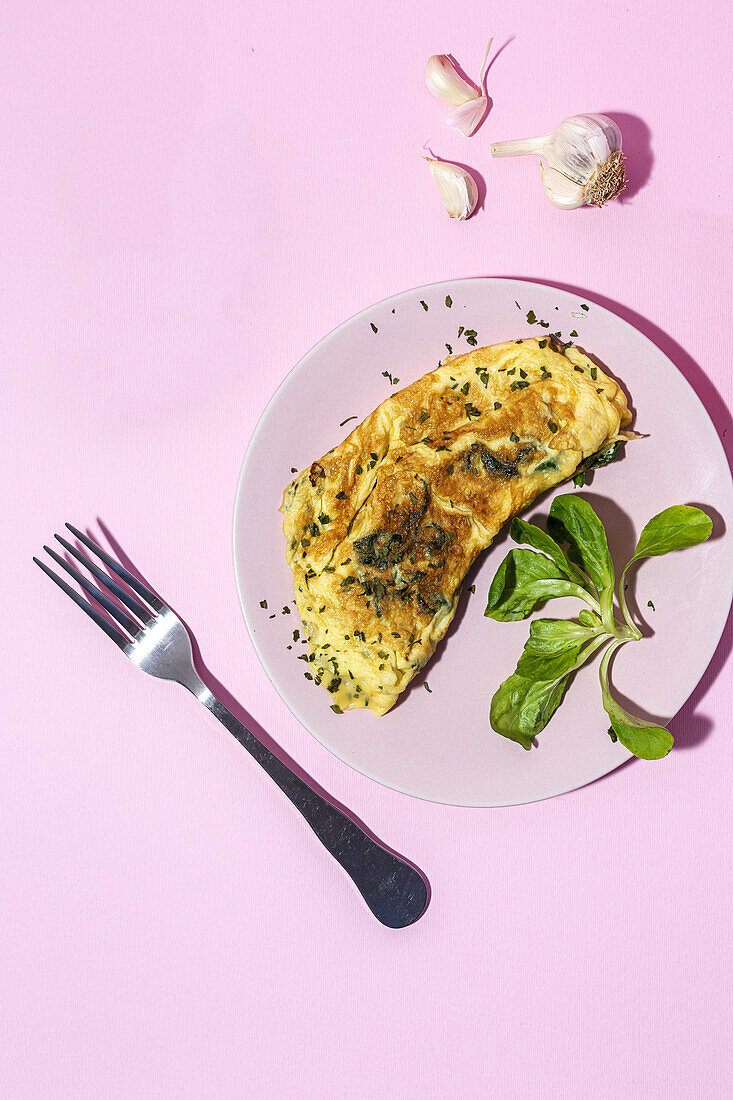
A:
(158, 642)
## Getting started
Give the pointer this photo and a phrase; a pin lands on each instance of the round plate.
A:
(438, 745)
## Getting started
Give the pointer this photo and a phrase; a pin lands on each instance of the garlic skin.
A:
(467, 116)
(584, 164)
(445, 82)
(457, 188)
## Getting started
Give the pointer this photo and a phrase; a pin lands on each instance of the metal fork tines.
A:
(157, 641)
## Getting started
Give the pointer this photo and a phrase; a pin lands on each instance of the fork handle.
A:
(394, 891)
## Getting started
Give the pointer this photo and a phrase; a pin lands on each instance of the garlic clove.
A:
(467, 116)
(446, 83)
(457, 187)
(565, 193)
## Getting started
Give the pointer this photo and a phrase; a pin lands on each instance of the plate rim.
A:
(520, 284)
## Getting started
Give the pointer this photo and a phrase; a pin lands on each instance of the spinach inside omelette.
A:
(382, 529)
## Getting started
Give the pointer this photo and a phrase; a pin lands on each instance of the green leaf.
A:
(532, 535)
(521, 708)
(644, 739)
(572, 520)
(548, 666)
(673, 529)
(523, 705)
(552, 648)
(522, 580)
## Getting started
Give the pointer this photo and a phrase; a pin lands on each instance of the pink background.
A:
(191, 196)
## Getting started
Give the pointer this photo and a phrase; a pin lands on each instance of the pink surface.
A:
(191, 196)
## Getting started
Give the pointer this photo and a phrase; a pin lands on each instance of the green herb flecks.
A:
(600, 458)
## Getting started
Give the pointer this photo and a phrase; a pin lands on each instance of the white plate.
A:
(440, 746)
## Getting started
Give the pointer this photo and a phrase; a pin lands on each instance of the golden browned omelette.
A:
(382, 529)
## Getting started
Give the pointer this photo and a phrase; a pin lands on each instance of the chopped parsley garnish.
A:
(573, 333)
(424, 416)
(514, 437)
(594, 373)
(471, 410)
(465, 388)
(472, 589)
(584, 306)
(358, 470)
(285, 610)
(427, 687)
(543, 343)
(532, 317)
(460, 332)
(519, 385)
(263, 603)
(374, 327)
(471, 337)
(448, 301)
(334, 706)
(650, 604)
(341, 495)
(449, 469)
(348, 418)
(552, 426)
(293, 469)
(497, 404)
(522, 373)
(450, 349)
(424, 305)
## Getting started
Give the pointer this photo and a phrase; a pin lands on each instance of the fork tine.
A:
(105, 579)
(127, 577)
(116, 612)
(100, 620)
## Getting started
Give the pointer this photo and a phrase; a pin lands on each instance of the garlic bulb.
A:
(457, 187)
(446, 83)
(583, 160)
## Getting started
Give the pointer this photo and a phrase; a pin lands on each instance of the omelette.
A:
(382, 530)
